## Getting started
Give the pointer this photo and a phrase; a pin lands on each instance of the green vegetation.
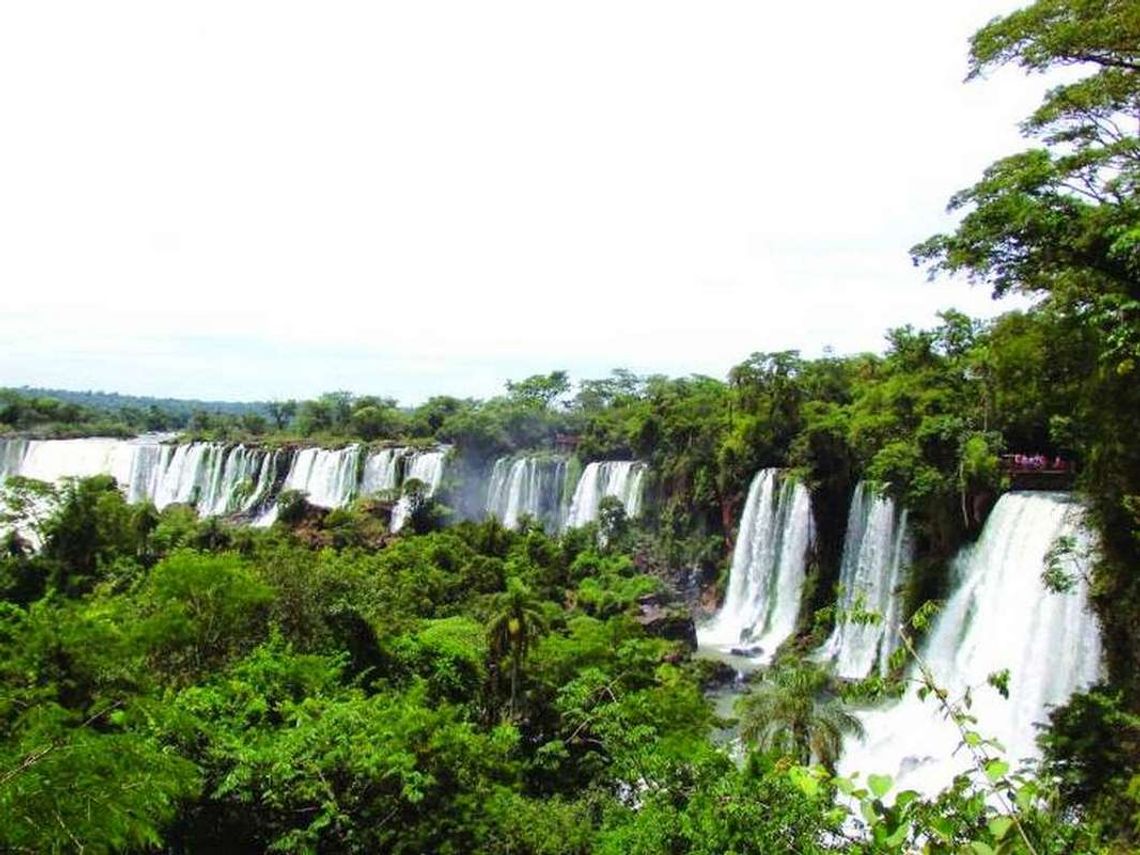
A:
(58, 413)
(202, 687)
(788, 714)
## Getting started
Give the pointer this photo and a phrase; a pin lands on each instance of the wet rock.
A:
(713, 674)
(748, 652)
(674, 623)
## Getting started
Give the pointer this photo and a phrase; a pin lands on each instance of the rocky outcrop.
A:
(667, 621)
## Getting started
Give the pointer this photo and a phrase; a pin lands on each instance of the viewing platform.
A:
(1038, 471)
(565, 443)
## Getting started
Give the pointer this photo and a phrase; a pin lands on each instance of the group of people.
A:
(1039, 461)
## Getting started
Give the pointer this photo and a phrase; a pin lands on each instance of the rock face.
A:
(748, 652)
(716, 675)
(663, 620)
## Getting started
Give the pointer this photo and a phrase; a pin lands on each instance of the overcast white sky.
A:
(266, 199)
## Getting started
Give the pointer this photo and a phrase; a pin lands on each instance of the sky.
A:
(251, 200)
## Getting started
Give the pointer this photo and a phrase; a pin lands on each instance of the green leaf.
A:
(996, 769)
(844, 785)
(905, 798)
(1026, 794)
(943, 828)
(899, 836)
(805, 780)
(880, 784)
(999, 826)
(981, 848)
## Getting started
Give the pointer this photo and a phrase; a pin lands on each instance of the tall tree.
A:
(1061, 220)
(516, 622)
(790, 714)
(540, 390)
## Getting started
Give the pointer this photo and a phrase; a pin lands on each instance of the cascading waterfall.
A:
(182, 473)
(220, 479)
(769, 564)
(215, 478)
(382, 471)
(427, 468)
(11, 456)
(877, 551)
(1001, 616)
(328, 478)
(527, 486)
(619, 478)
(54, 460)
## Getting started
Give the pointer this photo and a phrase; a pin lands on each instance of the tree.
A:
(708, 806)
(516, 621)
(197, 609)
(82, 787)
(92, 527)
(1061, 220)
(596, 395)
(254, 423)
(788, 714)
(540, 390)
(281, 412)
(613, 522)
(373, 421)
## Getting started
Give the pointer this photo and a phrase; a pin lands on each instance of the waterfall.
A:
(876, 552)
(328, 478)
(527, 486)
(216, 478)
(11, 457)
(768, 568)
(619, 478)
(182, 473)
(222, 479)
(999, 617)
(427, 468)
(382, 471)
(55, 459)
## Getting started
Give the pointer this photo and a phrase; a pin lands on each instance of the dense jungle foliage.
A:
(176, 684)
(179, 684)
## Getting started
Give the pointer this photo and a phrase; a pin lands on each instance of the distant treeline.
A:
(62, 412)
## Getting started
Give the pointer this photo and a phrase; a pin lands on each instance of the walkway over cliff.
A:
(1038, 471)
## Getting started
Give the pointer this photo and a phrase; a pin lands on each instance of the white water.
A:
(1000, 616)
(527, 486)
(768, 568)
(220, 479)
(54, 460)
(11, 456)
(426, 467)
(217, 479)
(382, 471)
(877, 551)
(328, 478)
(619, 478)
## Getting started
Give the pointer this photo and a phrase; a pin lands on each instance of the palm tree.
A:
(516, 621)
(789, 714)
